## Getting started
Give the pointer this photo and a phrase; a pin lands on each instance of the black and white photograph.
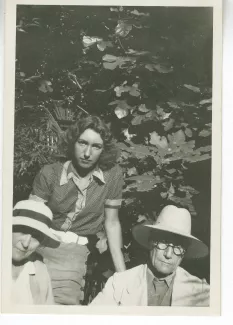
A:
(112, 198)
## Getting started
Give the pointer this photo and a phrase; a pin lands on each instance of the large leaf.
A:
(111, 62)
(143, 183)
(157, 140)
(122, 29)
(177, 138)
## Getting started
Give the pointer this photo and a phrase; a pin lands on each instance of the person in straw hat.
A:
(30, 279)
(161, 282)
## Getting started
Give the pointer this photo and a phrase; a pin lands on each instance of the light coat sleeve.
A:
(106, 296)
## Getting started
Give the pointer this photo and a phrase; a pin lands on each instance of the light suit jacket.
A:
(129, 288)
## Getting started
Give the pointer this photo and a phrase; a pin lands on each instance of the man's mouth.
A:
(165, 263)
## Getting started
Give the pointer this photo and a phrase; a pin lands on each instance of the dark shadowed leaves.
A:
(161, 68)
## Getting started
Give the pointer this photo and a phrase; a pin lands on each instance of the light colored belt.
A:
(70, 237)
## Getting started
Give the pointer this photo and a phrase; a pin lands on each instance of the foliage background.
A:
(147, 71)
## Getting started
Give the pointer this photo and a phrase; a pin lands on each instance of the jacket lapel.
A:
(135, 292)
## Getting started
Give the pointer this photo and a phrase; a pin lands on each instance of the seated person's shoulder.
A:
(129, 274)
(188, 277)
(52, 168)
(114, 173)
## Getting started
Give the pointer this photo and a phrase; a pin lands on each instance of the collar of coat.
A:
(68, 172)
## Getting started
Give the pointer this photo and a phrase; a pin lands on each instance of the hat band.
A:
(32, 215)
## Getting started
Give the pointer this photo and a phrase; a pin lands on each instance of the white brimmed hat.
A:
(175, 221)
(35, 215)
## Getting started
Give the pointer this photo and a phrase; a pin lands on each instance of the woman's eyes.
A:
(82, 143)
(95, 146)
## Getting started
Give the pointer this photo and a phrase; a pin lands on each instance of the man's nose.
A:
(87, 152)
(168, 252)
(26, 241)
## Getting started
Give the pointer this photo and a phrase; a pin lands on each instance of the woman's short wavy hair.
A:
(110, 153)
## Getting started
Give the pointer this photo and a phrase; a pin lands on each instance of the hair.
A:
(110, 153)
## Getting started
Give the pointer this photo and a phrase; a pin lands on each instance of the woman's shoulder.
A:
(114, 173)
(49, 169)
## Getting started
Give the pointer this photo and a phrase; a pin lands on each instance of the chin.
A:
(165, 271)
(19, 257)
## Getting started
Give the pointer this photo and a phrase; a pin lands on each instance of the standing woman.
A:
(84, 194)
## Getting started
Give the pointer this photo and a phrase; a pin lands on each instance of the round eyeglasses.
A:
(177, 250)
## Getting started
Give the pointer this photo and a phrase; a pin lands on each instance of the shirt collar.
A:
(68, 172)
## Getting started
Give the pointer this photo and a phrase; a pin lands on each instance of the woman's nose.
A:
(26, 241)
(87, 152)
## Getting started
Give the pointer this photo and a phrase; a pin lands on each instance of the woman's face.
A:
(87, 149)
(23, 245)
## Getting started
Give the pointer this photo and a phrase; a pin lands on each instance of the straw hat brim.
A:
(196, 249)
(50, 239)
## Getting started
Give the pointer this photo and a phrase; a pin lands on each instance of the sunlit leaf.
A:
(205, 133)
(122, 29)
(137, 53)
(107, 274)
(137, 13)
(45, 86)
(134, 91)
(171, 191)
(132, 171)
(90, 40)
(171, 171)
(177, 137)
(128, 135)
(121, 89)
(163, 195)
(141, 218)
(162, 114)
(110, 66)
(168, 124)
(102, 245)
(193, 88)
(157, 140)
(206, 101)
(137, 120)
(111, 61)
(188, 132)
(121, 112)
(143, 108)
(102, 45)
(114, 9)
(161, 68)
(109, 58)
(143, 183)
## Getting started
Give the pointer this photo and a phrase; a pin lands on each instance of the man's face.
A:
(88, 149)
(24, 244)
(165, 261)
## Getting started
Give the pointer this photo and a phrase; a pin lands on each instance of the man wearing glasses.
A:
(161, 282)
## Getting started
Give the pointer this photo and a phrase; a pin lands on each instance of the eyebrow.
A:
(93, 144)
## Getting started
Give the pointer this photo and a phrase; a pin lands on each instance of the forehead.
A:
(91, 136)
